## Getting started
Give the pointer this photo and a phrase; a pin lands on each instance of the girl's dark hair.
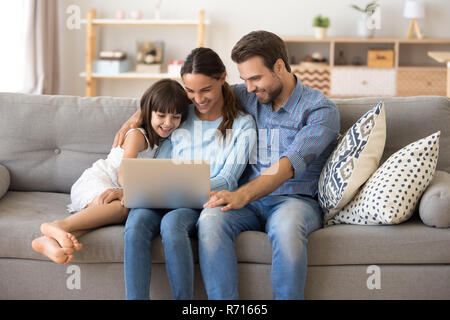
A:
(205, 61)
(165, 96)
(264, 44)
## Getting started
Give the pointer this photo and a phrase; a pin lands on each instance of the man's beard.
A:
(272, 94)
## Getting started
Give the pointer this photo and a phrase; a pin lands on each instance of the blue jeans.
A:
(175, 226)
(288, 220)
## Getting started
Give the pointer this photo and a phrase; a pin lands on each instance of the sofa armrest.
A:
(4, 180)
(434, 206)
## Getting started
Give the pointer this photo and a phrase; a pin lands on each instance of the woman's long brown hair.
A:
(207, 62)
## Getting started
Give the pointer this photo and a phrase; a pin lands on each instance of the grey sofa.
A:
(47, 141)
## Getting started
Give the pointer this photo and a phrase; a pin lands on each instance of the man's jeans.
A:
(175, 226)
(288, 220)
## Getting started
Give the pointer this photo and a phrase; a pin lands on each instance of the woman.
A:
(228, 136)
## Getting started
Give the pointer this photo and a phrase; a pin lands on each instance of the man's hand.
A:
(109, 196)
(133, 122)
(230, 200)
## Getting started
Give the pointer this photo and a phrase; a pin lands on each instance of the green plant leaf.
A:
(354, 6)
(320, 21)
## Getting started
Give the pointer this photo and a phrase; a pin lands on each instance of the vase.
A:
(366, 26)
(320, 33)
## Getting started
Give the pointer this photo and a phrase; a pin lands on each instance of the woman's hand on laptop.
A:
(133, 122)
(228, 199)
(109, 196)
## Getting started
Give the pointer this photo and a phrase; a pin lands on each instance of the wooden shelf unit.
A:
(420, 77)
(91, 45)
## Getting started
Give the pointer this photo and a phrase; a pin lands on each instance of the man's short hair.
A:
(264, 44)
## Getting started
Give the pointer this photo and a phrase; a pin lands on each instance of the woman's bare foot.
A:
(64, 238)
(50, 248)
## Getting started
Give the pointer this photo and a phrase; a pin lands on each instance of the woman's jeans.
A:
(287, 220)
(175, 226)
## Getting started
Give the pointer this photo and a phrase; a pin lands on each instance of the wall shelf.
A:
(133, 75)
(412, 73)
(143, 22)
(92, 23)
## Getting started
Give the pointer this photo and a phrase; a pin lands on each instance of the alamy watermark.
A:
(374, 280)
(73, 281)
(74, 19)
(252, 146)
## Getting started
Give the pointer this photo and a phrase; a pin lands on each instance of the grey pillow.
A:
(4, 180)
(434, 207)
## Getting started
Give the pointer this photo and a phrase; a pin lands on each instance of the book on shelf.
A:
(148, 68)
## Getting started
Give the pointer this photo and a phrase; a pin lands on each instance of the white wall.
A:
(229, 21)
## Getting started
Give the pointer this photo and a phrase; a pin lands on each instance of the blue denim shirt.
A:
(304, 130)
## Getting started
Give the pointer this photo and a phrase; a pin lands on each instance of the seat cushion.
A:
(21, 214)
(411, 242)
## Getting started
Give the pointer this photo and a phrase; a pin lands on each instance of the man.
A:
(276, 196)
(298, 128)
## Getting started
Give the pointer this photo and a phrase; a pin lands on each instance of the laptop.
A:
(165, 183)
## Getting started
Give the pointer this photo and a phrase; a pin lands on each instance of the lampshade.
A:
(414, 9)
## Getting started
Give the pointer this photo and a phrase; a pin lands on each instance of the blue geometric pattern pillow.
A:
(392, 192)
(353, 161)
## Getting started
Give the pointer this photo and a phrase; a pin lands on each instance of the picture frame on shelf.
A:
(149, 56)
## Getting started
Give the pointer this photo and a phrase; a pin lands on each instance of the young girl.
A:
(96, 196)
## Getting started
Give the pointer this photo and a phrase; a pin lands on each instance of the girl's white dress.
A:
(101, 176)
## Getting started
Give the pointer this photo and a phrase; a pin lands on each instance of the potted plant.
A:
(320, 25)
(366, 24)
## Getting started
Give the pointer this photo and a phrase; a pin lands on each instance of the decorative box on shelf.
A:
(313, 74)
(111, 66)
(380, 58)
(174, 66)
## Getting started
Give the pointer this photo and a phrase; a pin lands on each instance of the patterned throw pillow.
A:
(391, 193)
(355, 158)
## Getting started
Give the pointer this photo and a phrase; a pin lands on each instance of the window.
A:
(12, 49)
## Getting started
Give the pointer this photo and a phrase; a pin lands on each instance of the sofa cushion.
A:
(4, 180)
(407, 119)
(411, 242)
(353, 161)
(434, 206)
(21, 214)
(392, 192)
(48, 141)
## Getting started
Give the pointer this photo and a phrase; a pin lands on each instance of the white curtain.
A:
(41, 68)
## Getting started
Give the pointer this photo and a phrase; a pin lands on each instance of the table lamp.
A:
(413, 10)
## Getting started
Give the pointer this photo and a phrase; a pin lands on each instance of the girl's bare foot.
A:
(76, 245)
(50, 248)
(65, 239)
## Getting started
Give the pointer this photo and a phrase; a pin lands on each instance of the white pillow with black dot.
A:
(392, 192)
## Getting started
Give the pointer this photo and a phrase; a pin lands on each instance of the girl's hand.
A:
(108, 196)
